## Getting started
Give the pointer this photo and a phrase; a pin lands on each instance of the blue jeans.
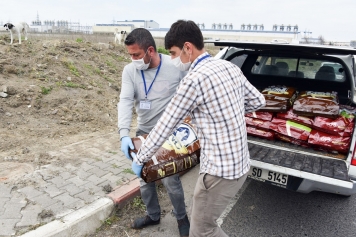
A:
(174, 189)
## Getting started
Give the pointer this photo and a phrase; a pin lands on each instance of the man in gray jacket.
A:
(148, 83)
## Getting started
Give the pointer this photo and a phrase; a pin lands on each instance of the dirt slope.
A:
(55, 92)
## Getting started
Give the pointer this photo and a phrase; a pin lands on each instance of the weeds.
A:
(138, 203)
(162, 50)
(45, 91)
(79, 40)
(73, 85)
(109, 221)
(108, 79)
(110, 64)
(71, 67)
(128, 171)
(122, 59)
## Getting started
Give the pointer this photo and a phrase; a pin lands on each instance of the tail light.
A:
(353, 160)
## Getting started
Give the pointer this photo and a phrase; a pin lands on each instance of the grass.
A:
(138, 203)
(128, 171)
(45, 90)
(109, 221)
(71, 67)
(122, 59)
(162, 50)
(112, 152)
(73, 85)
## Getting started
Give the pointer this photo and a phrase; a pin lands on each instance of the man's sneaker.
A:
(142, 222)
(184, 226)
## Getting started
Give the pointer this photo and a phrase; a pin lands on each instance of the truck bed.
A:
(296, 157)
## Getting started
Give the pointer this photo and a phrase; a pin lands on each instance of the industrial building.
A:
(218, 31)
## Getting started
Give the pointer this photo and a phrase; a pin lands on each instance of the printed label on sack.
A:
(276, 90)
(182, 137)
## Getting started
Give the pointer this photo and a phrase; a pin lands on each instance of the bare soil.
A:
(56, 92)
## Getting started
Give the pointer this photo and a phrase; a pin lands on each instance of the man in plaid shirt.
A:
(216, 95)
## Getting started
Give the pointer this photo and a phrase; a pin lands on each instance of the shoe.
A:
(142, 222)
(184, 226)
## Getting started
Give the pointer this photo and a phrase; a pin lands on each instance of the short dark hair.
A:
(184, 31)
(142, 37)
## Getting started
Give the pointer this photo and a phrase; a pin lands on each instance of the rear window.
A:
(299, 67)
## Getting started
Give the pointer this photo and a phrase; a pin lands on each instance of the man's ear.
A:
(189, 47)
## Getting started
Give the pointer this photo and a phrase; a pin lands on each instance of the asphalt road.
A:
(264, 210)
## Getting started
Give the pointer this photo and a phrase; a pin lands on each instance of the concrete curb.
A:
(87, 219)
(73, 224)
(125, 193)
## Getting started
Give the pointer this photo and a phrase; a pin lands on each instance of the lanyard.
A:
(143, 76)
(201, 59)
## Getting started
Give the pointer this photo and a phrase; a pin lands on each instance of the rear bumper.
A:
(308, 186)
(306, 182)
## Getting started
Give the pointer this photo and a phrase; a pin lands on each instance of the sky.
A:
(333, 20)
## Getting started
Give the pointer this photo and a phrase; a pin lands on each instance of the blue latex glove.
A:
(126, 144)
(136, 167)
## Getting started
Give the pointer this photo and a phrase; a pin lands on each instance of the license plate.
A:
(262, 175)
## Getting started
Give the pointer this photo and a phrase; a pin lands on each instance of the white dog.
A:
(120, 36)
(18, 28)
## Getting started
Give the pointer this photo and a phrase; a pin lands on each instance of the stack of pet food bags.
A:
(333, 123)
(180, 152)
(309, 119)
(262, 122)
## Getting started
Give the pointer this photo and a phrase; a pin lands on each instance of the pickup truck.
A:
(276, 162)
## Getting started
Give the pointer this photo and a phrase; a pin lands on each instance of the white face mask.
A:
(140, 63)
(179, 64)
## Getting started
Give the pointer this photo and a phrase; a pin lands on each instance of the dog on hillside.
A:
(120, 36)
(18, 28)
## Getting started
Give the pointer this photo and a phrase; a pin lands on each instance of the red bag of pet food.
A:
(291, 140)
(260, 115)
(290, 129)
(278, 98)
(348, 130)
(259, 123)
(260, 132)
(314, 103)
(329, 125)
(289, 115)
(335, 126)
(324, 141)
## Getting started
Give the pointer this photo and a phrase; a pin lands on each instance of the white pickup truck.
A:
(298, 168)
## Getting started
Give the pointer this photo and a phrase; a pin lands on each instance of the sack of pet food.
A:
(314, 103)
(289, 115)
(180, 152)
(290, 129)
(278, 98)
(325, 141)
(258, 123)
(260, 132)
(338, 125)
(260, 115)
(292, 140)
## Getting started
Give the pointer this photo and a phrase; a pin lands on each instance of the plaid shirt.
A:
(216, 95)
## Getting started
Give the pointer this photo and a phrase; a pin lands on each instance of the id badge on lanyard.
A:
(145, 104)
